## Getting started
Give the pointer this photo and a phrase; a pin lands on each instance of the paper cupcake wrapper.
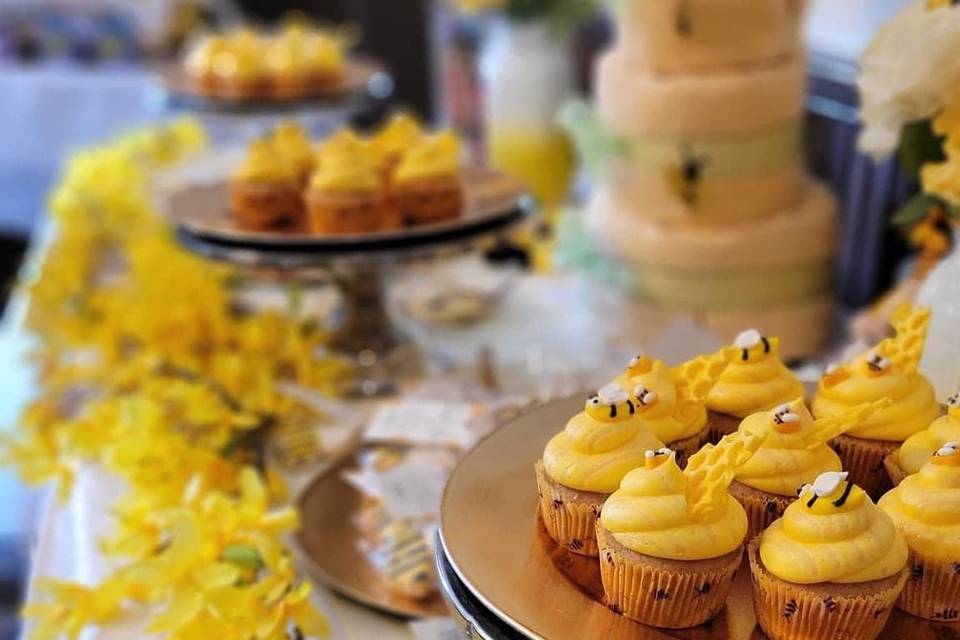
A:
(864, 460)
(686, 447)
(932, 590)
(786, 611)
(670, 594)
(345, 212)
(428, 200)
(568, 520)
(265, 206)
(762, 508)
(895, 472)
(719, 425)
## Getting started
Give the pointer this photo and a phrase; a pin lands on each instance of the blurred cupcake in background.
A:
(294, 146)
(264, 190)
(400, 133)
(426, 187)
(345, 194)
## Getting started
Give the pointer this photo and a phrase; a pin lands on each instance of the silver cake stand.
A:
(357, 265)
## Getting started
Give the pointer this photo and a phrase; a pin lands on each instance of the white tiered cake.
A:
(709, 204)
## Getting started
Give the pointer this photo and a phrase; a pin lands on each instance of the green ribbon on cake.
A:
(714, 154)
(699, 289)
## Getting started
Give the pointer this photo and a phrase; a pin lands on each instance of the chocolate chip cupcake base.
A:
(569, 515)
(670, 594)
(788, 611)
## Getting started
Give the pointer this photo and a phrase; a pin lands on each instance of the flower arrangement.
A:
(910, 96)
(147, 370)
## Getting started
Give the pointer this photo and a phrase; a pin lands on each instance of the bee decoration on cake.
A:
(612, 403)
(688, 175)
(828, 485)
(753, 345)
(947, 455)
(684, 21)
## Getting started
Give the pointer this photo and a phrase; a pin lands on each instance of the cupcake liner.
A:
(720, 424)
(895, 472)
(266, 205)
(787, 611)
(932, 591)
(686, 447)
(864, 458)
(348, 212)
(762, 508)
(670, 594)
(428, 200)
(568, 515)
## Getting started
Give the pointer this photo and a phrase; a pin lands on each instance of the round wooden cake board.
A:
(501, 566)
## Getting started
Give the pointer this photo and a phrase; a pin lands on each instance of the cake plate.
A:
(506, 580)
(357, 264)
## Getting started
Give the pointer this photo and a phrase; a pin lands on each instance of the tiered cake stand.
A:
(505, 579)
(356, 264)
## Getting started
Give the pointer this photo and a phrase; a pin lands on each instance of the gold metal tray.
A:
(495, 544)
(327, 546)
(493, 200)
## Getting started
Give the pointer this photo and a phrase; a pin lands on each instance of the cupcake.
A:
(293, 145)
(925, 507)
(345, 194)
(201, 60)
(426, 187)
(301, 61)
(888, 370)
(670, 540)
(831, 567)
(238, 68)
(756, 380)
(264, 191)
(585, 462)
(917, 449)
(672, 399)
(389, 144)
(794, 453)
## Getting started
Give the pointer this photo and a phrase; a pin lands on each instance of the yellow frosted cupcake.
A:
(756, 380)
(917, 449)
(345, 194)
(889, 370)
(670, 540)
(201, 60)
(301, 61)
(925, 507)
(264, 192)
(672, 400)
(293, 145)
(426, 187)
(794, 453)
(389, 144)
(831, 567)
(585, 462)
(238, 66)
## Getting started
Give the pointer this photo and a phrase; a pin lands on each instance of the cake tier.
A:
(714, 179)
(688, 35)
(633, 101)
(687, 265)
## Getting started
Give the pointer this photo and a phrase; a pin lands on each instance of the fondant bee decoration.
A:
(612, 403)
(877, 364)
(826, 485)
(688, 175)
(953, 405)
(654, 459)
(782, 415)
(753, 345)
(947, 455)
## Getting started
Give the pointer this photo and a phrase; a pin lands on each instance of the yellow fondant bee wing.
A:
(906, 348)
(711, 470)
(695, 378)
(826, 429)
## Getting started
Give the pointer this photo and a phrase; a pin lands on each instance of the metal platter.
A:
(327, 547)
(363, 77)
(493, 200)
(507, 579)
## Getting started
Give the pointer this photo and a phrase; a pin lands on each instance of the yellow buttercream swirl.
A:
(400, 133)
(818, 541)
(924, 508)
(918, 448)
(432, 156)
(756, 382)
(594, 452)
(299, 51)
(667, 415)
(292, 143)
(788, 458)
(344, 164)
(241, 57)
(914, 404)
(649, 514)
(262, 164)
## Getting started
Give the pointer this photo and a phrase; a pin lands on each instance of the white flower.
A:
(907, 73)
